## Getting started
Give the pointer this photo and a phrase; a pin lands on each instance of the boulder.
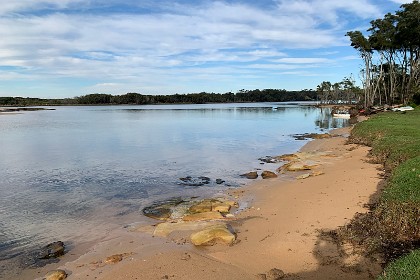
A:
(203, 216)
(213, 235)
(250, 175)
(56, 275)
(52, 250)
(268, 175)
(288, 157)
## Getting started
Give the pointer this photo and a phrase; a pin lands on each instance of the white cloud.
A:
(181, 42)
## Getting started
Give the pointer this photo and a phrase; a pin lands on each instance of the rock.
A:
(288, 157)
(162, 210)
(311, 136)
(212, 235)
(220, 207)
(250, 175)
(114, 259)
(268, 175)
(201, 207)
(268, 159)
(195, 181)
(219, 181)
(298, 166)
(52, 250)
(303, 176)
(275, 274)
(164, 229)
(261, 276)
(203, 216)
(56, 275)
(317, 173)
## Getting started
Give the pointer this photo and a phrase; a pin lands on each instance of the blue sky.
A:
(67, 48)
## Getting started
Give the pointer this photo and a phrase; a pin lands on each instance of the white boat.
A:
(341, 115)
(402, 109)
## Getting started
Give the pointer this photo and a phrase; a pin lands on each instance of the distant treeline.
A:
(266, 95)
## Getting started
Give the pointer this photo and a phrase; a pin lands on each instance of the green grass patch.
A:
(407, 267)
(392, 227)
(404, 184)
(394, 137)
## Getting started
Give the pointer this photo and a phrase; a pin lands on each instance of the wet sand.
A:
(280, 229)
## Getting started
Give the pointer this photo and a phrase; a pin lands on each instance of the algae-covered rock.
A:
(162, 210)
(212, 235)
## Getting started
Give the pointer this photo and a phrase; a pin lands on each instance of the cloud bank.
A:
(166, 47)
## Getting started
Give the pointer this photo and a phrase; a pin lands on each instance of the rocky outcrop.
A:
(213, 235)
(56, 275)
(268, 175)
(250, 175)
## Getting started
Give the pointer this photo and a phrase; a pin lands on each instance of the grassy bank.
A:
(392, 228)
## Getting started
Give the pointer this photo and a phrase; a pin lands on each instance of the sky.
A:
(68, 48)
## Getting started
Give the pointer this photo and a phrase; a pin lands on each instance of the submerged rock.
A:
(194, 181)
(269, 159)
(268, 175)
(162, 210)
(52, 250)
(250, 175)
(56, 275)
(213, 235)
(220, 181)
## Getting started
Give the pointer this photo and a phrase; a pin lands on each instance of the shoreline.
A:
(280, 229)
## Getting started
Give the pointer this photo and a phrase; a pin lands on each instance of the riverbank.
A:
(281, 229)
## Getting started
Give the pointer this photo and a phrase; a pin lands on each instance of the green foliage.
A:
(266, 95)
(405, 268)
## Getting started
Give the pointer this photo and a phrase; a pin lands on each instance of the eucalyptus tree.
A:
(363, 46)
(408, 39)
(391, 55)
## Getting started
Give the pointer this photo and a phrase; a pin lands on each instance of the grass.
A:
(392, 227)
(407, 267)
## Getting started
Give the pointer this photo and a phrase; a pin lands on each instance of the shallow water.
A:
(76, 170)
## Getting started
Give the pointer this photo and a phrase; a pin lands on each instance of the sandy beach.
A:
(280, 228)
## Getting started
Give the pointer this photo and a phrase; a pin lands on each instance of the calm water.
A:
(68, 172)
